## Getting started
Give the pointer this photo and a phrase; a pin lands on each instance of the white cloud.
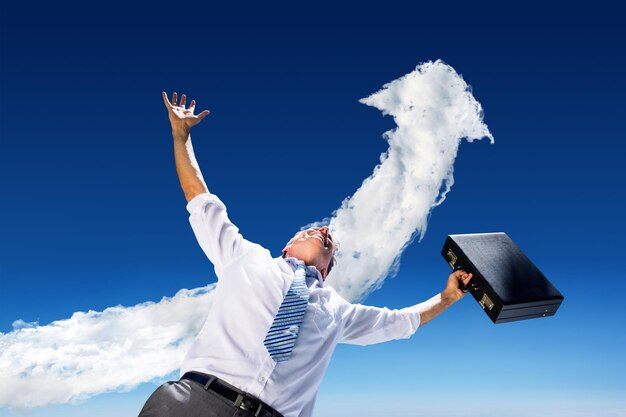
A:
(21, 324)
(434, 110)
(121, 347)
(95, 352)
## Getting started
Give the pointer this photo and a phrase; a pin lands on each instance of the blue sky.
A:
(93, 216)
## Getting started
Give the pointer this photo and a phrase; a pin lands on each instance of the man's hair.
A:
(333, 260)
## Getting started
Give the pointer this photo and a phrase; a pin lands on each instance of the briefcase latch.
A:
(451, 258)
(486, 302)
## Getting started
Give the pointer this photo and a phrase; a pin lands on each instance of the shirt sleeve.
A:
(217, 236)
(367, 325)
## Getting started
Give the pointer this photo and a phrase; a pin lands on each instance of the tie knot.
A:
(295, 263)
(309, 271)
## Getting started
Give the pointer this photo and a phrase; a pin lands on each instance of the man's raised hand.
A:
(181, 118)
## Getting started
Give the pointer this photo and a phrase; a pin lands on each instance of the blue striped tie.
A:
(283, 333)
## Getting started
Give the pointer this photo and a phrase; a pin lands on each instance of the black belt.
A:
(240, 399)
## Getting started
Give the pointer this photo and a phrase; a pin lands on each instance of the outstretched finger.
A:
(174, 98)
(203, 115)
(183, 100)
(192, 105)
(166, 100)
(466, 279)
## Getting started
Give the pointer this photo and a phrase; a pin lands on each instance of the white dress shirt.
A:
(250, 289)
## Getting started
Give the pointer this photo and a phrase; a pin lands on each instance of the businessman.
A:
(274, 322)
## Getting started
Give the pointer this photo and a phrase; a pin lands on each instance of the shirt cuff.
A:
(416, 318)
(201, 200)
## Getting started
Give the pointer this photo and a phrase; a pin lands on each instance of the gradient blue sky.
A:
(92, 214)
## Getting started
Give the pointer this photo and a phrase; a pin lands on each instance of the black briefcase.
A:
(506, 284)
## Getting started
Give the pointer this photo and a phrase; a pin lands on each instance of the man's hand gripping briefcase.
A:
(506, 284)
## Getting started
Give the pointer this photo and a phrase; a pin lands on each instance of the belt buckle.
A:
(244, 403)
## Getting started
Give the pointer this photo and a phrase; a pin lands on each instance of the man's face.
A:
(314, 246)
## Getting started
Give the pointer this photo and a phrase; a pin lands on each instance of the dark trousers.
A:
(188, 399)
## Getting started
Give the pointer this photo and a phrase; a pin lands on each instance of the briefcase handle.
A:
(455, 265)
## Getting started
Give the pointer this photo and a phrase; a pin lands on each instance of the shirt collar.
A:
(311, 272)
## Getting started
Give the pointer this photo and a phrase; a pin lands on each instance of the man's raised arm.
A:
(182, 120)
(217, 236)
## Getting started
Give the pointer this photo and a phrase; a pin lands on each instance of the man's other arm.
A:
(366, 325)
(450, 295)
